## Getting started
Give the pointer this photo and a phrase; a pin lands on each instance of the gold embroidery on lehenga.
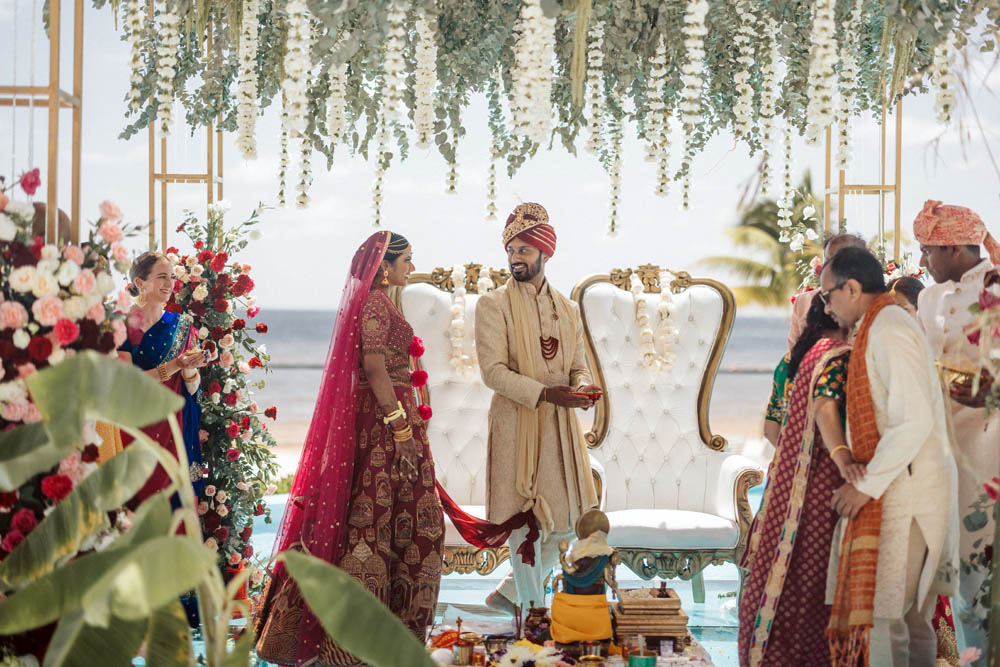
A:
(429, 517)
(403, 535)
(362, 512)
(378, 457)
(383, 489)
(411, 555)
(406, 492)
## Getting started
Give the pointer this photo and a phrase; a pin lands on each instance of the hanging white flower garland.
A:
(381, 163)
(491, 182)
(614, 173)
(134, 25)
(595, 86)
(745, 39)
(658, 120)
(822, 74)
(246, 92)
(848, 80)
(296, 64)
(305, 175)
(768, 95)
(531, 91)
(943, 79)
(460, 361)
(283, 160)
(667, 333)
(425, 80)
(691, 75)
(787, 191)
(336, 104)
(451, 180)
(394, 67)
(166, 68)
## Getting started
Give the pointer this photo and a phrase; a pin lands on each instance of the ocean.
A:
(297, 341)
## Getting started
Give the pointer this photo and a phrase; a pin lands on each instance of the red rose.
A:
(258, 510)
(214, 388)
(991, 490)
(973, 336)
(417, 347)
(247, 532)
(7, 499)
(178, 286)
(232, 430)
(239, 325)
(245, 422)
(233, 454)
(254, 362)
(229, 399)
(173, 308)
(219, 261)
(271, 413)
(247, 551)
(224, 279)
(253, 311)
(205, 256)
(221, 305)
(30, 180)
(57, 487)
(198, 308)
(36, 248)
(988, 300)
(198, 245)
(89, 454)
(218, 291)
(24, 520)
(425, 411)
(172, 249)
(39, 348)
(244, 285)
(418, 378)
(180, 227)
(221, 534)
(11, 540)
(216, 332)
(261, 328)
(211, 521)
(66, 331)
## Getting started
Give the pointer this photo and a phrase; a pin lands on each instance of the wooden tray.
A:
(639, 600)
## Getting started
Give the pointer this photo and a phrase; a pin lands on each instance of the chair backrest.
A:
(651, 430)
(460, 401)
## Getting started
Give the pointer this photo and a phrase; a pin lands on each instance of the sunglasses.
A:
(824, 295)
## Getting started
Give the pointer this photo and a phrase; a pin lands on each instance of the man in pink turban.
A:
(529, 341)
(950, 238)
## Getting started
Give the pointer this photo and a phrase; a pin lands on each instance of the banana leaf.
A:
(76, 644)
(94, 386)
(168, 643)
(240, 655)
(79, 515)
(352, 616)
(24, 452)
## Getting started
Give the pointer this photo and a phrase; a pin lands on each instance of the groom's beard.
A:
(529, 272)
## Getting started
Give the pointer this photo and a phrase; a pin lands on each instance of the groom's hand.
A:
(847, 501)
(564, 397)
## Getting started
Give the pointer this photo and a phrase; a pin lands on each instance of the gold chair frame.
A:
(686, 564)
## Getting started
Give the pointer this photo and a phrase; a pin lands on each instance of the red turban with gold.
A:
(939, 224)
(530, 223)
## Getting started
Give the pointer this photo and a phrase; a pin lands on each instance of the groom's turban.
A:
(938, 225)
(530, 223)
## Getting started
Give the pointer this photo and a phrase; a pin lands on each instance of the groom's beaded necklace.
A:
(550, 344)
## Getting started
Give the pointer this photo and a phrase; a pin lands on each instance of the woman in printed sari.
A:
(165, 345)
(364, 496)
(783, 615)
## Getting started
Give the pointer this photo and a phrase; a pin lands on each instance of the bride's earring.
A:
(141, 299)
(385, 277)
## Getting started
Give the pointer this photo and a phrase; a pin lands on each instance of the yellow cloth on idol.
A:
(112, 442)
(577, 618)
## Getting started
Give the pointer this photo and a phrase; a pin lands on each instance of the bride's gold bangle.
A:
(395, 414)
(161, 370)
(838, 448)
(402, 434)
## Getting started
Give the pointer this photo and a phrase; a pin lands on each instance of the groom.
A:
(529, 340)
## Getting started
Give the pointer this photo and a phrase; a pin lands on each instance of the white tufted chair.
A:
(461, 402)
(676, 501)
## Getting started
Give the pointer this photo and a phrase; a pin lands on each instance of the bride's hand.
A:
(406, 461)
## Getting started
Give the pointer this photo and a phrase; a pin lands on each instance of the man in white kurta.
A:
(950, 238)
(912, 471)
(529, 341)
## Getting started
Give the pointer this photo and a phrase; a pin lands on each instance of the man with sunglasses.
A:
(897, 544)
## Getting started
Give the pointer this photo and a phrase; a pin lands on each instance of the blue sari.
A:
(171, 336)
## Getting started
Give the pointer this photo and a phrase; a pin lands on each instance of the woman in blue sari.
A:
(165, 345)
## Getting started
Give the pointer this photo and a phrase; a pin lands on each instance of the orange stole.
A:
(853, 610)
(111, 444)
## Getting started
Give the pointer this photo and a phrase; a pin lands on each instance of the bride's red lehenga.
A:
(346, 505)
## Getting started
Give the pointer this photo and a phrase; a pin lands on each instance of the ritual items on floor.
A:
(580, 611)
(639, 611)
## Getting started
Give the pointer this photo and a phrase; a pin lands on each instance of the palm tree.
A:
(770, 266)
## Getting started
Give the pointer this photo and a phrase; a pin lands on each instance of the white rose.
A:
(47, 266)
(227, 341)
(57, 355)
(105, 284)
(179, 271)
(75, 307)
(212, 544)
(222, 510)
(203, 333)
(228, 387)
(8, 230)
(67, 273)
(22, 279)
(221, 496)
(173, 259)
(12, 391)
(197, 270)
(200, 292)
(21, 209)
(191, 260)
(21, 339)
(49, 251)
(808, 212)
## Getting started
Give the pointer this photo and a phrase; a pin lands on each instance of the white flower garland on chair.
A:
(768, 94)
(531, 103)
(394, 68)
(246, 92)
(166, 69)
(691, 74)
(425, 80)
(134, 25)
(745, 39)
(595, 86)
(647, 346)
(943, 79)
(822, 73)
(667, 334)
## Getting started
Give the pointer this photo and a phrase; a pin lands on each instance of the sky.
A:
(303, 257)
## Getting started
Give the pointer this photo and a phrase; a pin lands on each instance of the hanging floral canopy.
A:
(352, 72)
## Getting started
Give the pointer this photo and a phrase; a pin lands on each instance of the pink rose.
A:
(111, 232)
(202, 508)
(4, 200)
(119, 332)
(253, 311)
(67, 332)
(30, 180)
(15, 410)
(84, 282)
(242, 486)
(96, 313)
(210, 490)
(244, 367)
(245, 268)
(26, 370)
(119, 252)
(70, 466)
(110, 211)
(73, 254)
(12, 539)
(202, 435)
(226, 359)
(222, 510)
(32, 415)
(12, 315)
(124, 301)
(48, 310)
(234, 559)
